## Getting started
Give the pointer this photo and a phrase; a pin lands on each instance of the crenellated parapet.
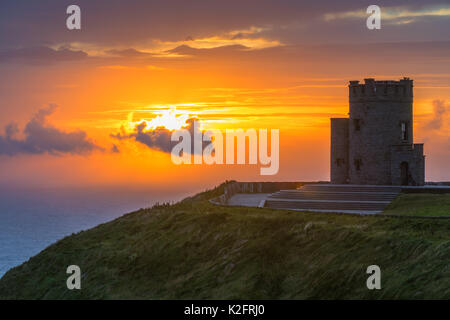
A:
(384, 90)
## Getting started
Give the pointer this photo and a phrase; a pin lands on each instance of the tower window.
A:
(358, 164)
(404, 126)
(357, 124)
(339, 162)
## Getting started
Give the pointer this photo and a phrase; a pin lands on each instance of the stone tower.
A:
(375, 144)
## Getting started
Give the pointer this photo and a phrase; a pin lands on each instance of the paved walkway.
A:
(248, 199)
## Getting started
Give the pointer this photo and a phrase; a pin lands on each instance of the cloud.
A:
(157, 138)
(41, 137)
(250, 38)
(253, 23)
(115, 149)
(41, 54)
(392, 13)
(128, 53)
(187, 50)
(440, 110)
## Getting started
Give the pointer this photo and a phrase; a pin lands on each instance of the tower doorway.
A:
(404, 173)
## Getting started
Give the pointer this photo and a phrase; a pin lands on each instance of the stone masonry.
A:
(375, 144)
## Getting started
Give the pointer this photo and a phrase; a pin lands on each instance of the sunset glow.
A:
(285, 69)
(168, 119)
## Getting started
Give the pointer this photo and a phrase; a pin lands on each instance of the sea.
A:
(31, 219)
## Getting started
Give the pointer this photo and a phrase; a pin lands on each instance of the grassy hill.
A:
(420, 204)
(195, 250)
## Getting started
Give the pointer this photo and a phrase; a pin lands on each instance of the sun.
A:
(169, 119)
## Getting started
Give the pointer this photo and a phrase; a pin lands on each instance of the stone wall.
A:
(339, 161)
(413, 156)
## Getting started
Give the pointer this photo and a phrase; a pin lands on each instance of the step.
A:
(350, 188)
(326, 205)
(315, 195)
(334, 198)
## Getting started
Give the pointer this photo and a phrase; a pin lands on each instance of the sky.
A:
(95, 106)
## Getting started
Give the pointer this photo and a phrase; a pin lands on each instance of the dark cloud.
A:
(40, 137)
(115, 149)
(112, 22)
(40, 55)
(440, 109)
(128, 53)
(158, 138)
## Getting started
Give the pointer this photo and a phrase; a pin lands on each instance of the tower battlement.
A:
(384, 90)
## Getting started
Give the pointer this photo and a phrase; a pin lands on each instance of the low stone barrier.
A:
(253, 187)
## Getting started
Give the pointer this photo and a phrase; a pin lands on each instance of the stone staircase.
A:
(362, 199)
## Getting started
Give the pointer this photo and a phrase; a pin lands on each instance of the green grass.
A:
(420, 204)
(195, 250)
